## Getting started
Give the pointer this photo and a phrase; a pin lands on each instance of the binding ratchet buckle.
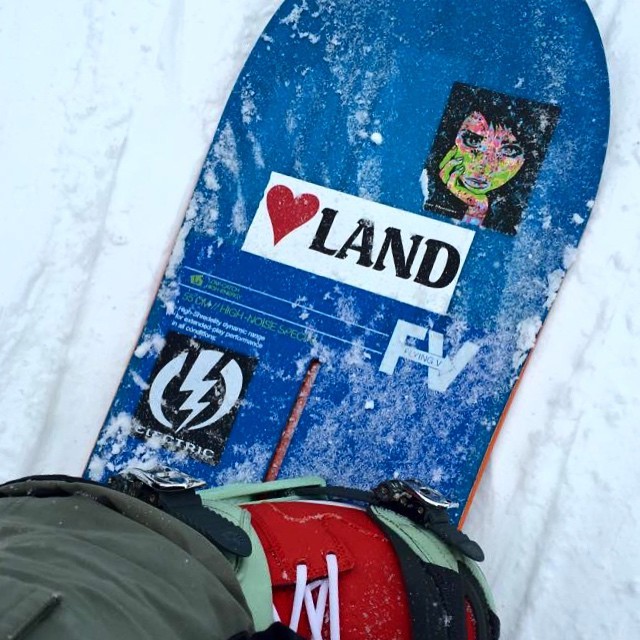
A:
(174, 492)
(428, 508)
(412, 495)
(158, 479)
(411, 498)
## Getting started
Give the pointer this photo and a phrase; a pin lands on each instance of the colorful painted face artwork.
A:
(486, 157)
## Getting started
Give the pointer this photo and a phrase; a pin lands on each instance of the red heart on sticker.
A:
(287, 212)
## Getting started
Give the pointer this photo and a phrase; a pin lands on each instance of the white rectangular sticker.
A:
(386, 251)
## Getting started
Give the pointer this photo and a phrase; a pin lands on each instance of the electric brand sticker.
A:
(486, 157)
(386, 251)
(195, 391)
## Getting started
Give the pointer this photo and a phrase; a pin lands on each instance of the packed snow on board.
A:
(104, 124)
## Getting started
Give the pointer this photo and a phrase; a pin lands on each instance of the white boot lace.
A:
(315, 610)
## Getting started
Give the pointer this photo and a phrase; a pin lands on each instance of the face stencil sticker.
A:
(486, 157)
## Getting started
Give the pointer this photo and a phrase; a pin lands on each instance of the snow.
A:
(104, 123)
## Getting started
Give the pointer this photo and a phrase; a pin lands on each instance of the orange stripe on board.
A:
(292, 422)
(494, 438)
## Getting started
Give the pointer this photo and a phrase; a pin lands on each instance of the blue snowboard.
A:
(383, 220)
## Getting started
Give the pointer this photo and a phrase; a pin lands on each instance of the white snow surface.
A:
(106, 113)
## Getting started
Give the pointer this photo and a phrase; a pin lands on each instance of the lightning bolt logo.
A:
(199, 387)
(196, 384)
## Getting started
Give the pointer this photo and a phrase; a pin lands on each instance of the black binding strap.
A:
(434, 519)
(436, 594)
(186, 505)
(487, 622)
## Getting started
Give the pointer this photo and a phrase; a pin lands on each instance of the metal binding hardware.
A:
(426, 507)
(165, 479)
(174, 492)
(412, 495)
(409, 498)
